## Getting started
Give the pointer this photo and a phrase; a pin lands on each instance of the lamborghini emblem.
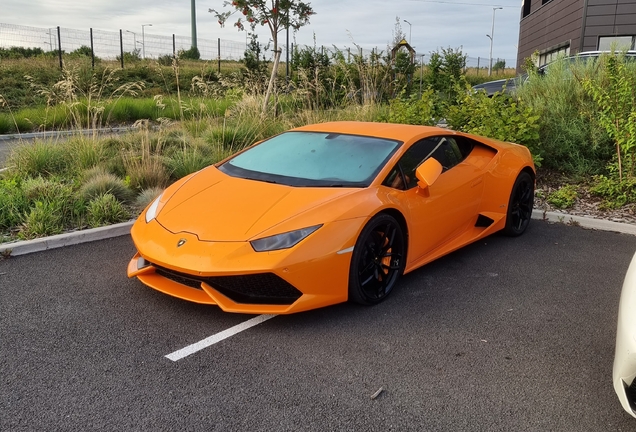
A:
(181, 242)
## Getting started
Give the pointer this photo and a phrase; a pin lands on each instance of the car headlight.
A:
(282, 241)
(151, 213)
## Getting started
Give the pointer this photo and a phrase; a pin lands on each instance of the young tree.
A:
(275, 14)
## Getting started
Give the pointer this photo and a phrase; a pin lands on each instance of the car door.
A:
(451, 203)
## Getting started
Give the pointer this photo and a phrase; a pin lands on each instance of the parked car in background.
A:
(624, 374)
(509, 85)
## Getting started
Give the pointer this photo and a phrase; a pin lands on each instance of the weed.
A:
(564, 197)
(615, 192)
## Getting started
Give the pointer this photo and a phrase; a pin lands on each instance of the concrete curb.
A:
(66, 239)
(63, 133)
(585, 222)
(102, 233)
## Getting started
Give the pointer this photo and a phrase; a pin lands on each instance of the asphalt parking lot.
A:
(503, 335)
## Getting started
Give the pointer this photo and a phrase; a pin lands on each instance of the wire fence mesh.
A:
(110, 45)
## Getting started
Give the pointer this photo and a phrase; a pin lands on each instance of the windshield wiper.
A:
(260, 180)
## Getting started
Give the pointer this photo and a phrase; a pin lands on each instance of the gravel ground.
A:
(586, 204)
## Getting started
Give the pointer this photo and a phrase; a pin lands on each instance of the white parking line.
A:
(209, 341)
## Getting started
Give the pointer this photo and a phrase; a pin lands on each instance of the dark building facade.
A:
(551, 27)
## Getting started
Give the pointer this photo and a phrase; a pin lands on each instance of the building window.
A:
(550, 56)
(606, 43)
(526, 8)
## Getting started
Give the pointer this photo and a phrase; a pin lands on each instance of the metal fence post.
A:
(92, 51)
(121, 47)
(59, 45)
(174, 46)
(219, 53)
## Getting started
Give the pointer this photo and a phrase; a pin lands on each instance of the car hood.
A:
(218, 207)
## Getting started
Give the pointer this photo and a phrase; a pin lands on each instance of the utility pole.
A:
(491, 36)
(193, 14)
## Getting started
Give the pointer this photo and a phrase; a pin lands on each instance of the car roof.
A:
(394, 131)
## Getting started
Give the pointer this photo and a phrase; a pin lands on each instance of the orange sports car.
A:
(327, 213)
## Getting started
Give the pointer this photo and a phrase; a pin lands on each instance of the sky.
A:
(434, 24)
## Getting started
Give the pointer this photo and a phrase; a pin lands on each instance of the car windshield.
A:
(314, 159)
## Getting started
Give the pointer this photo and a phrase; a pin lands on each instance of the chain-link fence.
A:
(111, 45)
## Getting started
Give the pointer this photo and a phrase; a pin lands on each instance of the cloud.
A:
(367, 23)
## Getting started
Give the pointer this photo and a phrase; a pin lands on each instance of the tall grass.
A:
(571, 139)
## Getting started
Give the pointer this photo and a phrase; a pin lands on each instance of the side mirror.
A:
(428, 172)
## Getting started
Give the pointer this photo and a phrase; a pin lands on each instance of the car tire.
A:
(378, 260)
(520, 205)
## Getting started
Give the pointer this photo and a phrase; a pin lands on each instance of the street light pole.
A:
(134, 39)
(410, 28)
(143, 40)
(491, 36)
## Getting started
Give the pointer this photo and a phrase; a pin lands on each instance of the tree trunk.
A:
(272, 79)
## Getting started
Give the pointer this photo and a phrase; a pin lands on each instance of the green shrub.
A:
(414, 110)
(56, 195)
(572, 141)
(187, 161)
(105, 210)
(84, 152)
(43, 219)
(564, 197)
(615, 110)
(39, 158)
(145, 172)
(99, 183)
(147, 196)
(499, 117)
(190, 54)
(616, 193)
(46, 189)
(13, 204)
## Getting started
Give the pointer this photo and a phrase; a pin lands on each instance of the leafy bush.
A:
(20, 52)
(616, 106)
(413, 109)
(444, 72)
(499, 117)
(190, 54)
(616, 193)
(83, 51)
(105, 210)
(564, 197)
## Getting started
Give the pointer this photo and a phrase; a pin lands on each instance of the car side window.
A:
(446, 149)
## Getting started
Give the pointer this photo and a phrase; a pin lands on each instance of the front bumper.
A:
(624, 373)
(233, 276)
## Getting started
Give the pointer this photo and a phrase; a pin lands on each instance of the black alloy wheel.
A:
(378, 260)
(520, 205)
